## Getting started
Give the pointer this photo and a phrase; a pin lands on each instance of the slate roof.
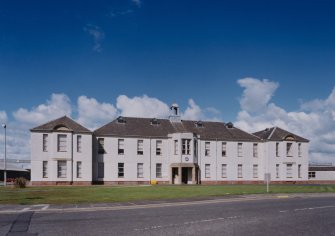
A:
(278, 134)
(142, 127)
(63, 121)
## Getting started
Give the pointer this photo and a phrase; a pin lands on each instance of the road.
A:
(275, 215)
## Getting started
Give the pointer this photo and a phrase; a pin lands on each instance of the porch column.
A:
(193, 176)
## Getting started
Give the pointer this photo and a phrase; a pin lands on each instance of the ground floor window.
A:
(139, 170)
(255, 171)
(239, 171)
(101, 170)
(277, 170)
(158, 170)
(120, 173)
(224, 170)
(289, 170)
(61, 169)
(45, 169)
(311, 174)
(207, 170)
(79, 169)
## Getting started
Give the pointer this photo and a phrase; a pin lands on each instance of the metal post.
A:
(5, 167)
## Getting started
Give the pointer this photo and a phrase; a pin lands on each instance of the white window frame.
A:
(277, 171)
(139, 170)
(62, 143)
(239, 171)
(255, 150)
(255, 171)
(120, 146)
(45, 142)
(289, 171)
(158, 170)
(61, 169)
(45, 169)
(207, 170)
(186, 146)
(239, 149)
(140, 147)
(224, 171)
(224, 149)
(120, 170)
(79, 170)
(207, 149)
(79, 143)
(159, 144)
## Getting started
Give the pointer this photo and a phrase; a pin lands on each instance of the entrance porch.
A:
(184, 173)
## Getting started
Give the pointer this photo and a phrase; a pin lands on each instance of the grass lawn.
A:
(95, 194)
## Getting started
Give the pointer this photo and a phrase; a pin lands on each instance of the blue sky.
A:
(171, 51)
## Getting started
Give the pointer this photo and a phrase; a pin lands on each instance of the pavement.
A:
(297, 214)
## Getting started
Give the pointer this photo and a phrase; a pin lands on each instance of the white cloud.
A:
(256, 94)
(98, 36)
(195, 112)
(58, 106)
(315, 120)
(138, 3)
(93, 114)
(142, 107)
(3, 117)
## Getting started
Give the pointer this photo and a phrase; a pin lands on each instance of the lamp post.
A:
(4, 170)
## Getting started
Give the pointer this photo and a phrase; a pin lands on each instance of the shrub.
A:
(20, 182)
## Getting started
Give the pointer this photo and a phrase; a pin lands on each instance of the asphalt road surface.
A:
(277, 215)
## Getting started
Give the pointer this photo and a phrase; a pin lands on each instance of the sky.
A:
(255, 63)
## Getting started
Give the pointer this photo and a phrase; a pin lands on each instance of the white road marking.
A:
(185, 223)
(25, 209)
(307, 209)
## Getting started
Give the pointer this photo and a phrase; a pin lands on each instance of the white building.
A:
(321, 173)
(142, 150)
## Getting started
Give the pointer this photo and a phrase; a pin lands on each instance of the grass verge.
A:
(96, 194)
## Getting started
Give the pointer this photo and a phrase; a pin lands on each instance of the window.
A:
(289, 170)
(299, 150)
(176, 147)
(207, 170)
(277, 170)
(45, 169)
(78, 143)
(207, 149)
(139, 170)
(101, 145)
(158, 170)
(186, 146)
(239, 149)
(61, 142)
(139, 147)
(195, 147)
(289, 149)
(120, 167)
(299, 171)
(61, 169)
(239, 171)
(255, 150)
(224, 149)
(277, 149)
(158, 147)
(120, 147)
(101, 170)
(311, 174)
(255, 171)
(79, 169)
(224, 171)
(45, 142)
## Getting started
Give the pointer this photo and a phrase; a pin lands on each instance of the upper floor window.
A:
(159, 147)
(207, 149)
(101, 145)
(277, 149)
(120, 147)
(61, 142)
(224, 149)
(176, 147)
(45, 142)
(139, 147)
(255, 150)
(186, 149)
(289, 149)
(239, 150)
(299, 150)
(78, 143)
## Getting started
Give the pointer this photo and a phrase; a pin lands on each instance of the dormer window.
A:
(121, 120)
(199, 124)
(230, 125)
(154, 121)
